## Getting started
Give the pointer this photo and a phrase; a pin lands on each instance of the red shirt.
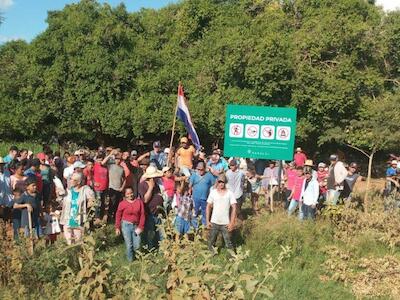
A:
(299, 159)
(169, 185)
(128, 175)
(291, 178)
(132, 212)
(298, 184)
(321, 175)
(100, 177)
(89, 176)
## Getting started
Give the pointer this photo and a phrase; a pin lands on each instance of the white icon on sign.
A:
(236, 130)
(252, 131)
(267, 132)
(283, 133)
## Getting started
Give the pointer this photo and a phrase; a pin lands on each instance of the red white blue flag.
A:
(183, 114)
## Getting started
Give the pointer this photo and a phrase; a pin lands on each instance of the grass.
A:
(302, 275)
(264, 235)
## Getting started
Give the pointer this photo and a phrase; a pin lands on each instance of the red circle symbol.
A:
(236, 130)
(267, 132)
(252, 131)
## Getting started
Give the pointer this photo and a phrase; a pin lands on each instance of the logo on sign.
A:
(236, 130)
(283, 133)
(267, 132)
(252, 131)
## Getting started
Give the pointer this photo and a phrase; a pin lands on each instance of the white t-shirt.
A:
(221, 205)
(52, 224)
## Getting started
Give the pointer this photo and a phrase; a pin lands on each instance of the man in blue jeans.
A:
(200, 183)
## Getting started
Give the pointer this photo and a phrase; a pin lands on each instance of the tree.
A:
(377, 128)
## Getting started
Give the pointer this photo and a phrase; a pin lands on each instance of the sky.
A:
(25, 19)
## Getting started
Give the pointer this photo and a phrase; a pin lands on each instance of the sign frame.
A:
(262, 132)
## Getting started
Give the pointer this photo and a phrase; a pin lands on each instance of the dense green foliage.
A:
(99, 72)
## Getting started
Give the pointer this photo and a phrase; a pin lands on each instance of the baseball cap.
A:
(298, 149)
(333, 157)
(394, 162)
(41, 156)
(353, 165)
(133, 152)
(321, 165)
(166, 150)
(157, 144)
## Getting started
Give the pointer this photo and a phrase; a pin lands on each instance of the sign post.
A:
(260, 132)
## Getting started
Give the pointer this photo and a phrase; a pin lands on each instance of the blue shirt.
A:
(219, 166)
(391, 172)
(158, 159)
(34, 201)
(201, 185)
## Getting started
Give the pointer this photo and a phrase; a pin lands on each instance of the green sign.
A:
(260, 132)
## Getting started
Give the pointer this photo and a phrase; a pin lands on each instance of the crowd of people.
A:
(55, 194)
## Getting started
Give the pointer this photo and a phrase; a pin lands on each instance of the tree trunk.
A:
(366, 200)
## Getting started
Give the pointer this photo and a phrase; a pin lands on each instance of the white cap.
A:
(79, 164)
(166, 150)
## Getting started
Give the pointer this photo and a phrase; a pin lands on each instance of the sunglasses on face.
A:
(221, 181)
(200, 169)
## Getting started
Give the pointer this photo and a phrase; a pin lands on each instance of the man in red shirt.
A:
(100, 183)
(299, 157)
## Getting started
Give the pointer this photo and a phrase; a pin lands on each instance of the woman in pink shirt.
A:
(130, 219)
(294, 196)
(290, 177)
(168, 183)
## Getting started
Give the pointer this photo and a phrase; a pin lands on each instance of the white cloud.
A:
(389, 4)
(4, 4)
(5, 39)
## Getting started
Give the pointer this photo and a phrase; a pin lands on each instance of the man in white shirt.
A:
(309, 195)
(219, 202)
(336, 177)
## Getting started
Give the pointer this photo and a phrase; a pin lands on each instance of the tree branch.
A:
(358, 149)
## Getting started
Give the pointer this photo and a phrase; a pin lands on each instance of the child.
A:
(255, 187)
(52, 216)
(295, 195)
(183, 204)
(16, 213)
(29, 203)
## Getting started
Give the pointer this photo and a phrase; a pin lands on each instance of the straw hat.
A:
(152, 172)
(309, 163)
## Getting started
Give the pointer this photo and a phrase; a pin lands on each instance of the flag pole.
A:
(173, 129)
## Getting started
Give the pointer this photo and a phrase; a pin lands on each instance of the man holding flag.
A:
(186, 153)
(184, 157)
